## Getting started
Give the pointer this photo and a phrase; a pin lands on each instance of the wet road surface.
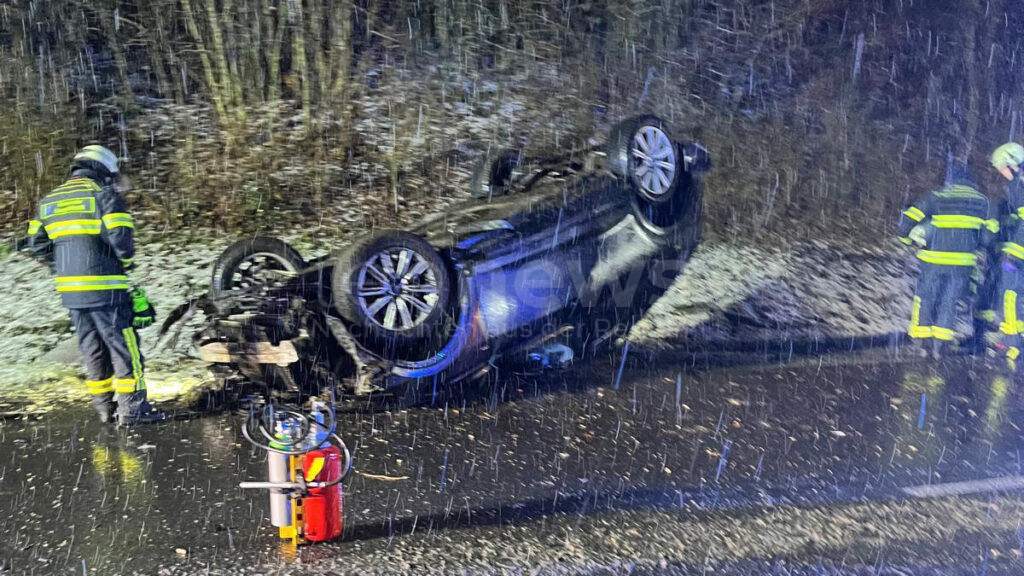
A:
(794, 468)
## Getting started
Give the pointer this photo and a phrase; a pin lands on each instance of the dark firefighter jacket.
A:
(1013, 223)
(962, 221)
(92, 245)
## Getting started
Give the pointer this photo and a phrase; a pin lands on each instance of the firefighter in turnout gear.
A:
(1008, 160)
(949, 226)
(85, 233)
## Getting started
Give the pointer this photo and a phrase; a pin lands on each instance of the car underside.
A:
(567, 250)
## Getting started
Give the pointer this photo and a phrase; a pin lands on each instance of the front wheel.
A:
(253, 262)
(395, 289)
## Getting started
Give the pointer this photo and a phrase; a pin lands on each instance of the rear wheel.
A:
(676, 223)
(396, 289)
(641, 151)
(253, 262)
(667, 193)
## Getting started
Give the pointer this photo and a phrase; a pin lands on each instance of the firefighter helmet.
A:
(1009, 155)
(97, 156)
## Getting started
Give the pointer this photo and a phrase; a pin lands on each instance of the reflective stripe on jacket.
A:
(962, 221)
(92, 234)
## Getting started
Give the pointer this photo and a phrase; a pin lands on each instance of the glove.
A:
(143, 313)
(919, 235)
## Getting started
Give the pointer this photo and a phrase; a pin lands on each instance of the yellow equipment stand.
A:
(294, 532)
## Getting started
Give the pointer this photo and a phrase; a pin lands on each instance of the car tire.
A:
(676, 223)
(371, 293)
(495, 172)
(641, 151)
(234, 268)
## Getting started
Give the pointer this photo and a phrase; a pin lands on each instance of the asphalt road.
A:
(839, 464)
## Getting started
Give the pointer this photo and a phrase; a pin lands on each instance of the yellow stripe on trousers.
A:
(1009, 325)
(100, 387)
(133, 348)
(125, 385)
(916, 330)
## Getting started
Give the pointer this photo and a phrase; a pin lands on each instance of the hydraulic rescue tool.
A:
(306, 463)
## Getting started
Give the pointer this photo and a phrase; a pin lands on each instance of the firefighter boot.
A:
(133, 409)
(923, 349)
(104, 406)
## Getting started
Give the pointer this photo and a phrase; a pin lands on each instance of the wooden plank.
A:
(259, 353)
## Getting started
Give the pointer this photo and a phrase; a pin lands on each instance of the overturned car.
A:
(568, 249)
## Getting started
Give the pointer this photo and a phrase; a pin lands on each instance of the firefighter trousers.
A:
(939, 289)
(109, 347)
(1011, 294)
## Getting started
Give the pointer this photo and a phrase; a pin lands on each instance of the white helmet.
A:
(1009, 155)
(99, 155)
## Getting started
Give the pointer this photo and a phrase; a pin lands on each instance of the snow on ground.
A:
(38, 359)
(809, 291)
(35, 322)
(728, 292)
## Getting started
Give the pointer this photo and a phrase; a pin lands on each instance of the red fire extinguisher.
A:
(322, 507)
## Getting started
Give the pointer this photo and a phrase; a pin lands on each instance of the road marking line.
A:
(968, 487)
